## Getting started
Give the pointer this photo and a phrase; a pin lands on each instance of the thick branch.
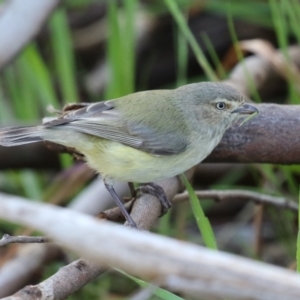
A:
(20, 23)
(115, 214)
(145, 212)
(181, 266)
(28, 259)
(35, 156)
(270, 137)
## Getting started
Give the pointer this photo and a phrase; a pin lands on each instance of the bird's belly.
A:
(120, 162)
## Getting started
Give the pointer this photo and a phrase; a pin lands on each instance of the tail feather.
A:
(20, 135)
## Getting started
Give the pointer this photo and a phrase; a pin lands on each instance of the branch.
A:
(22, 239)
(83, 271)
(145, 211)
(242, 195)
(28, 259)
(22, 263)
(270, 137)
(115, 214)
(35, 156)
(177, 265)
(20, 22)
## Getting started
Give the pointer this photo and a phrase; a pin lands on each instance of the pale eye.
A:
(221, 105)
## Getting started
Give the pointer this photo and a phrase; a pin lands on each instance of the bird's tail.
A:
(20, 135)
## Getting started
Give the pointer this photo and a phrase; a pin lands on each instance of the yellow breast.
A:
(123, 163)
(120, 162)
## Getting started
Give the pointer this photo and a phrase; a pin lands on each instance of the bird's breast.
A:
(124, 163)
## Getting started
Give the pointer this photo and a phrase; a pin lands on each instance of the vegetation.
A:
(53, 71)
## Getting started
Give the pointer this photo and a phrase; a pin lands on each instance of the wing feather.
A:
(104, 120)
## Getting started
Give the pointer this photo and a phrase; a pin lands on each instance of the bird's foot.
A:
(157, 191)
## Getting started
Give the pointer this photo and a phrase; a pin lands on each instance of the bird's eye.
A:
(221, 105)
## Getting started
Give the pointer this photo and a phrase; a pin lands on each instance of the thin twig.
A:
(83, 271)
(222, 195)
(22, 239)
(114, 214)
(27, 259)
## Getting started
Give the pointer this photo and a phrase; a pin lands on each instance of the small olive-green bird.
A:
(143, 137)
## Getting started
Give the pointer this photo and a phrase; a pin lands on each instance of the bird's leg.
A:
(157, 191)
(109, 186)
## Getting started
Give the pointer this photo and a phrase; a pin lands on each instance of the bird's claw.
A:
(157, 191)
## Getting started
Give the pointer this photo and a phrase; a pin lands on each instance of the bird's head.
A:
(216, 104)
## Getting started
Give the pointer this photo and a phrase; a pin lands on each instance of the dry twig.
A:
(83, 271)
(241, 195)
(22, 239)
(27, 259)
(179, 266)
(20, 22)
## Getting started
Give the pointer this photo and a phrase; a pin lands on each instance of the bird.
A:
(145, 136)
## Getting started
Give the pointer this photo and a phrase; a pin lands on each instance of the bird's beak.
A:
(246, 109)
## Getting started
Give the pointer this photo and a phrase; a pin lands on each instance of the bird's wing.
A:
(103, 119)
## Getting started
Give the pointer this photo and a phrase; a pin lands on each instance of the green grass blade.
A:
(157, 291)
(35, 68)
(283, 23)
(298, 238)
(202, 221)
(255, 11)
(130, 9)
(182, 59)
(21, 93)
(31, 185)
(280, 24)
(14, 92)
(6, 113)
(115, 86)
(250, 80)
(63, 56)
(293, 12)
(182, 24)
(121, 48)
(165, 225)
(249, 118)
(214, 56)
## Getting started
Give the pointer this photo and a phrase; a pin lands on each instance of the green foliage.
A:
(255, 11)
(34, 67)
(157, 291)
(285, 16)
(121, 48)
(298, 238)
(202, 221)
(182, 58)
(250, 80)
(186, 32)
(64, 56)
